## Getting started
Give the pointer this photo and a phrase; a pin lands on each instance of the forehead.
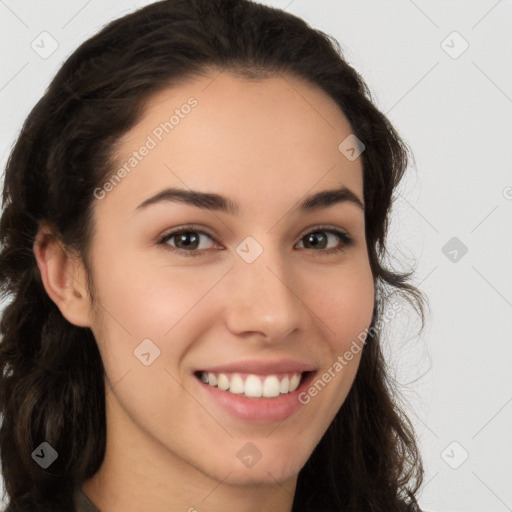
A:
(244, 136)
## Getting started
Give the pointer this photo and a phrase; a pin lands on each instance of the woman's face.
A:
(262, 291)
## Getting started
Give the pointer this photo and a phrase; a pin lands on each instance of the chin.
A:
(262, 472)
(251, 477)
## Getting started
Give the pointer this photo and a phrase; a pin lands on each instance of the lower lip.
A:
(258, 410)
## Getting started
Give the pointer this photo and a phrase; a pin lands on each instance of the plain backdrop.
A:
(442, 72)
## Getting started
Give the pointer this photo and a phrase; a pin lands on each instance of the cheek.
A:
(171, 307)
(147, 300)
(345, 310)
(345, 305)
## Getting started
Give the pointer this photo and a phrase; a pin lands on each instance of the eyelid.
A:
(323, 227)
(188, 227)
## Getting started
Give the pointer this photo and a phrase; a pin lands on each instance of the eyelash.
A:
(346, 240)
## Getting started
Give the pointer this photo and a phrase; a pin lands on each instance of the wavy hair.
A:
(51, 372)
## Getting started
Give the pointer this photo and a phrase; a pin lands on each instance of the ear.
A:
(63, 276)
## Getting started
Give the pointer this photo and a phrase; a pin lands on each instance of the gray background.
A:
(455, 111)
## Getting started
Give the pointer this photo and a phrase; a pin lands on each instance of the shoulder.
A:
(83, 503)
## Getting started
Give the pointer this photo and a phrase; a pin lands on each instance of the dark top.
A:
(83, 503)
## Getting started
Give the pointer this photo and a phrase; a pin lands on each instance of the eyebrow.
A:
(211, 201)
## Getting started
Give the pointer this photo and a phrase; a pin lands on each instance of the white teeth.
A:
(254, 386)
(285, 385)
(236, 385)
(271, 386)
(223, 382)
(294, 382)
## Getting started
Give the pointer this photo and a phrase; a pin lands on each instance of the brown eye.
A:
(315, 240)
(186, 240)
(321, 238)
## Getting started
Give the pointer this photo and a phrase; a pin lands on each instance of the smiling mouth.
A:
(254, 385)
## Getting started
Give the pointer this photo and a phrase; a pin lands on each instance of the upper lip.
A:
(261, 367)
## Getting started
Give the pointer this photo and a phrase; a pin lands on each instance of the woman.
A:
(192, 237)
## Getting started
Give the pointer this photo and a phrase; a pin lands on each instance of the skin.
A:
(273, 140)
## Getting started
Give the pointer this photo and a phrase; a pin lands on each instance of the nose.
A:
(263, 299)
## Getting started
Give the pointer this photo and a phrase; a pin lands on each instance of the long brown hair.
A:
(51, 383)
